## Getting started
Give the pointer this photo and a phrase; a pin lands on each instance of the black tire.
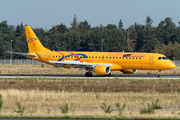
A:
(157, 75)
(88, 74)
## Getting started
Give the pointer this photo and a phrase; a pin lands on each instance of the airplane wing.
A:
(79, 64)
(24, 54)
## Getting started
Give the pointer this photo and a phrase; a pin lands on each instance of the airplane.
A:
(100, 63)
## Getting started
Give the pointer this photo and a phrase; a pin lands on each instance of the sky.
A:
(48, 13)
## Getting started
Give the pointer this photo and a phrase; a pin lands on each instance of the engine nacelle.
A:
(101, 70)
(129, 71)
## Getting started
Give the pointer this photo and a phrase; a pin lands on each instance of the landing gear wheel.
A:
(157, 73)
(108, 74)
(88, 74)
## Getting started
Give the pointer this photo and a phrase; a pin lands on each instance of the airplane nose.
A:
(172, 66)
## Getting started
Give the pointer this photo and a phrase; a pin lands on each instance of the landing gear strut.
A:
(88, 74)
(157, 73)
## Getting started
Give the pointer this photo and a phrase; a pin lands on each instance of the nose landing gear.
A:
(157, 73)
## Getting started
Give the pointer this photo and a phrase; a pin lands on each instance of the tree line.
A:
(164, 39)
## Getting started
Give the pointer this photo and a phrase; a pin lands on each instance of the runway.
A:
(94, 77)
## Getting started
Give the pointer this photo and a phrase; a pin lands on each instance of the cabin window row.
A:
(101, 57)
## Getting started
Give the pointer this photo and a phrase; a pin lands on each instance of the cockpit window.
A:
(159, 58)
(163, 58)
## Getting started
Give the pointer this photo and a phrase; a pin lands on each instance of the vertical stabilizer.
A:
(34, 45)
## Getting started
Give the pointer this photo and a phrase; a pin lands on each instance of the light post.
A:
(11, 51)
(102, 45)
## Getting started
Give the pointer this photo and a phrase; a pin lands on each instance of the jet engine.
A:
(102, 70)
(129, 71)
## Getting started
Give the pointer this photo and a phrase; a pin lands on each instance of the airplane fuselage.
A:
(119, 60)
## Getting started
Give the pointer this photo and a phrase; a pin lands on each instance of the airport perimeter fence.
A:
(19, 61)
(30, 61)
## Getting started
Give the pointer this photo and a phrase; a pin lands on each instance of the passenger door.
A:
(151, 60)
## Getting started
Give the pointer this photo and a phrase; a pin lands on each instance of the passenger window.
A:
(99, 57)
(96, 56)
(116, 57)
(89, 56)
(129, 57)
(109, 57)
(92, 56)
(106, 57)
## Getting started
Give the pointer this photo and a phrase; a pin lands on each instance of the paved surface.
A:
(95, 76)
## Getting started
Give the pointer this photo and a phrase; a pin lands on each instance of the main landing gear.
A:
(88, 74)
(157, 73)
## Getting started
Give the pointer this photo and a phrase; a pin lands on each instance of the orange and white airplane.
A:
(100, 63)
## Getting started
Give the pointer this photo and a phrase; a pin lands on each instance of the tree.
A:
(150, 41)
(133, 38)
(120, 25)
(148, 21)
(74, 23)
(111, 26)
(165, 31)
(62, 28)
(84, 25)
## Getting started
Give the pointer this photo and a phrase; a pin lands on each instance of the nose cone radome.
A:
(172, 65)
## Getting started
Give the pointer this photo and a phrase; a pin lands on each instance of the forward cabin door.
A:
(151, 60)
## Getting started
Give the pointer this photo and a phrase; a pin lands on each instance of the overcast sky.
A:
(41, 13)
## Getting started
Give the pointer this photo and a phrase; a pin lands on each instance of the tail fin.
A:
(34, 45)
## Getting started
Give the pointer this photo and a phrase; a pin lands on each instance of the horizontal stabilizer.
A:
(24, 54)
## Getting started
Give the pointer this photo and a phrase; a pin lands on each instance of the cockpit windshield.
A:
(163, 58)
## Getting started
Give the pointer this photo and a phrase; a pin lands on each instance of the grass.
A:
(20, 109)
(1, 103)
(92, 85)
(120, 109)
(106, 108)
(51, 70)
(65, 109)
(151, 107)
(43, 96)
(93, 117)
(47, 103)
